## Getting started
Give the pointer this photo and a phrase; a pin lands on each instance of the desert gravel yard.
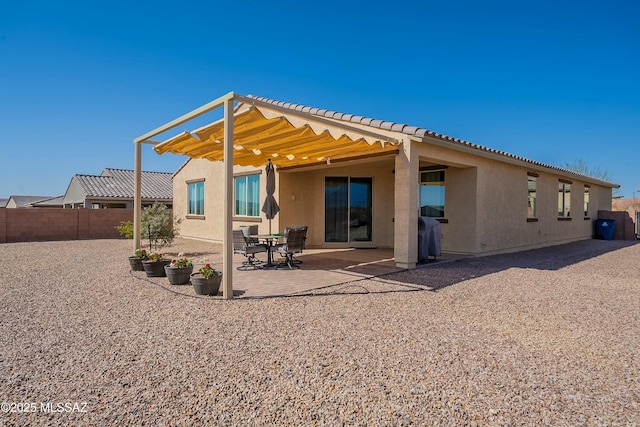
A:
(505, 340)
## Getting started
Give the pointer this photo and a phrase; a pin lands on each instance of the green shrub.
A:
(157, 225)
(125, 229)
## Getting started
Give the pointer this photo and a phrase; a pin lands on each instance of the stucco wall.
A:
(210, 226)
(302, 200)
(486, 205)
(485, 202)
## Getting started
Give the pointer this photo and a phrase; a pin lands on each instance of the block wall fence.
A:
(625, 227)
(42, 224)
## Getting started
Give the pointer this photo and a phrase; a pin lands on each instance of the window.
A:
(196, 198)
(247, 195)
(432, 193)
(532, 193)
(564, 199)
(586, 200)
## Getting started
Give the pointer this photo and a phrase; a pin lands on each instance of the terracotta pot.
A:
(155, 268)
(136, 263)
(178, 275)
(204, 286)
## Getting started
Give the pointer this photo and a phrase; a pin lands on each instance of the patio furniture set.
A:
(247, 242)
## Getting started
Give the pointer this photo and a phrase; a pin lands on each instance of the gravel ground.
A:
(546, 343)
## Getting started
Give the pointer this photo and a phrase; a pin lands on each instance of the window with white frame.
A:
(195, 203)
(564, 199)
(247, 195)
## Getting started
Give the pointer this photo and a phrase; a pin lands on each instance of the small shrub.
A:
(125, 229)
(157, 225)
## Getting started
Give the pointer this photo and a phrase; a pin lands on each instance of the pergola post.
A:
(137, 195)
(226, 101)
(227, 247)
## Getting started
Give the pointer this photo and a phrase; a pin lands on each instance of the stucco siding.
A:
(502, 220)
(458, 234)
(486, 205)
(485, 202)
(74, 195)
(210, 225)
(302, 199)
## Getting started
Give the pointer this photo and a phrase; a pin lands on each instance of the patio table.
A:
(271, 240)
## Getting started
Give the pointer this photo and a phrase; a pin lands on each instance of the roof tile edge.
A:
(411, 131)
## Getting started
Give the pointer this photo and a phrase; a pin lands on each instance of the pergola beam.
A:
(208, 107)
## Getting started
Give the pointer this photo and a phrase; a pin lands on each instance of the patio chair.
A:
(304, 241)
(242, 246)
(248, 231)
(293, 245)
(286, 234)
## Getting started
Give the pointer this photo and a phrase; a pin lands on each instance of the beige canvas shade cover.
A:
(258, 138)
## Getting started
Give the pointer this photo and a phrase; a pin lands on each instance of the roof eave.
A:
(511, 159)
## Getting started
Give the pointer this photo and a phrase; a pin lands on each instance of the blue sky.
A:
(553, 81)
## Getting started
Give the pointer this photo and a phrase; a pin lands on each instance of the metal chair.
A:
(248, 231)
(286, 235)
(293, 245)
(304, 242)
(241, 246)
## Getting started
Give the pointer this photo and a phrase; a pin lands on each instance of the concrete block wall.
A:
(44, 224)
(625, 227)
(3, 225)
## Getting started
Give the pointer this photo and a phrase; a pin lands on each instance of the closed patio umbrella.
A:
(270, 206)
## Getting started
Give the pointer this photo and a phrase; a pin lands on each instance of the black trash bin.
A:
(428, 238)
(605, 229)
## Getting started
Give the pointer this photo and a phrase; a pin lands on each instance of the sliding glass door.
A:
(347, 205)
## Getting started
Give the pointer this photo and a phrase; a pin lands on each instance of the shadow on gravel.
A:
(440, 274)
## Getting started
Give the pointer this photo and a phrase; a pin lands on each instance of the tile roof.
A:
(3, 202)
(408, 130)
(50, 202)
(25, 201)
(118, 183)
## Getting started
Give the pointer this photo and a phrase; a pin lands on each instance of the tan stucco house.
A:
(360, 182)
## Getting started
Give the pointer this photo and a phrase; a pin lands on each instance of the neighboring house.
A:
(55, 202)
(34, 202)
(114, 188)
(3, 203)
(359, 182)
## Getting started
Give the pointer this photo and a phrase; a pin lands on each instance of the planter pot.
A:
(155, 268)
(204, 286)
(178, 275)
(136, 263)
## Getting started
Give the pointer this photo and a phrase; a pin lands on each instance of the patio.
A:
(320, 269)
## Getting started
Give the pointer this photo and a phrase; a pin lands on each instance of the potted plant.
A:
(206, 281)
(135, 261)
(179, 270)
(154, 265)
